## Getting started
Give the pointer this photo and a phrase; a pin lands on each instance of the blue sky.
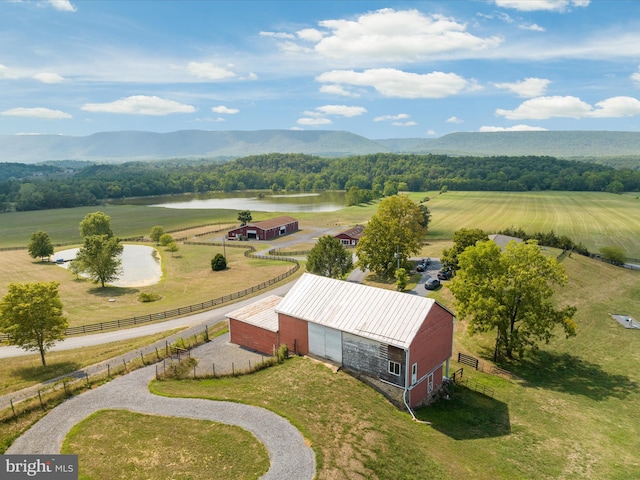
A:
(378, 69)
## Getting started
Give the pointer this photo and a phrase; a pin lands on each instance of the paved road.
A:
(289, 454)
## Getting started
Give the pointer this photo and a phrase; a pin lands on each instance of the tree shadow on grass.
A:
(468, 415)
(110, 292)
(41, 374)
(567, 373)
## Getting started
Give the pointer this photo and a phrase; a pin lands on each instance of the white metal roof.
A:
(382, 315)
(260, 314)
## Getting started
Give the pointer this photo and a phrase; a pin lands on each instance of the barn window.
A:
(394, 367)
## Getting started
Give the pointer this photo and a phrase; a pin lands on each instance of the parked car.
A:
(420, 267)
(432, 284)
(445, 274)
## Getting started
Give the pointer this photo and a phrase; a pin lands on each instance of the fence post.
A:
(87, 377)
(233, 369)
(214, 369)
(108, 371)
(12, 409)
(157, 354)
(142, 358)
(40, 398)
(64, 384)
(125, 364)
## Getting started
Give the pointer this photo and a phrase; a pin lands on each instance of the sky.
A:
(380, 69)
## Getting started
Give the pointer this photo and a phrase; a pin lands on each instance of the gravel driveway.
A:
(289, 454)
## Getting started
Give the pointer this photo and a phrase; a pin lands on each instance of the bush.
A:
(148, 297)
(219, 262)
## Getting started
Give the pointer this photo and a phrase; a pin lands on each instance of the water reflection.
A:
(140, 265)
(258, 202)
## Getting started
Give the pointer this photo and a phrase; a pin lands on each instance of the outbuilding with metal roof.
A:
(397, 338)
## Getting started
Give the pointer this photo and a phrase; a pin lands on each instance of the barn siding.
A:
(250, 336)
(430, 348)
(372, 358)
(294, 333)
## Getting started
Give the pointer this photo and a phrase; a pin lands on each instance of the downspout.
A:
(406, 389)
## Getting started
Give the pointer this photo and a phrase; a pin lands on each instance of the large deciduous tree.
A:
(392, 235)
(96, 223)
(40, 245)
(31, 314)
(329, 258)
(99, 258)
(463, 238)
(244, 217)
(511, 292)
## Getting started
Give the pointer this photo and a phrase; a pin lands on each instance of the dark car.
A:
(445, 274)
(420, 267)
(432, 284)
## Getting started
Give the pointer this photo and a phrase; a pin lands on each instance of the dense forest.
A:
(89, 184)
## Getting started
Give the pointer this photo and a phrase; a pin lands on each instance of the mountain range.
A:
(139, 145)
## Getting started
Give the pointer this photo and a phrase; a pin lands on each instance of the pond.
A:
(252, 201)
(140, 265)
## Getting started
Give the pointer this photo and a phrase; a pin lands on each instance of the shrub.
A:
(219, 262)
(148, 297)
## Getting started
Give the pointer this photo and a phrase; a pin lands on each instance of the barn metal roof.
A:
(260, 314)
(382, 315)
(273, 222)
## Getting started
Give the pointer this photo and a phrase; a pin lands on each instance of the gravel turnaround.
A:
(289, 454)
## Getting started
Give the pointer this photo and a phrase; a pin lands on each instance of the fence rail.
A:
(152, 317)
(468, 360)
(476, 387)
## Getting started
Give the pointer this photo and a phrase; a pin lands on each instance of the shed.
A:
(266, 229)
(351, 237)
(400, 339)
(256, 326)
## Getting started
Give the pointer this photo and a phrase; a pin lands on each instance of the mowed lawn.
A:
(570, 414)
(187, 279)
(593, 219)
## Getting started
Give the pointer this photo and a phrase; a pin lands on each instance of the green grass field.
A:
(594, 219)
(571, 414)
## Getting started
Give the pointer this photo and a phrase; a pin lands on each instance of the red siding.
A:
(430, 348)
(294, 333)
(250, 336)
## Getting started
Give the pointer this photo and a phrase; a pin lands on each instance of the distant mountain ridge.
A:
(140, 145)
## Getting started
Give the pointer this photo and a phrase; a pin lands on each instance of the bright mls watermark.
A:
(51, 467)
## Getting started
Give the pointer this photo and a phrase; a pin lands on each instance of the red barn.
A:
(399, 339)
(351, 237)
(266, 229)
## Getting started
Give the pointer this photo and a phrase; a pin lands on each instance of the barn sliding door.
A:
(325, 342)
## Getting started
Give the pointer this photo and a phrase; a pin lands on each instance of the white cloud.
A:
(617, 107)
(140, 105)
(635, 77)
(224, 110)
(527, 88)
(534, 27)
(337, 90)
(313, 121)
(341, 110)
(37, 112)
(209, 71)
(400, 116)
(399, 84)
(551, 107)
(279, 35)
(515, 128)
(454, 119)
(310, 34)
(62, 5)
(7, 73)
(48, 77)
(405, 35)
(549, 5)
(404, 124)
(431, 133)
(548, 107)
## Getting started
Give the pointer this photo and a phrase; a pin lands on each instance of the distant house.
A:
(403, 341)
(266, 229)
(502, 240)
(351, 237)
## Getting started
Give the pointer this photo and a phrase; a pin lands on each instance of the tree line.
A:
(372, 176)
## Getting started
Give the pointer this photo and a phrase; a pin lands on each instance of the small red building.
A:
(402, 340)
(351, 237)
(266, 229)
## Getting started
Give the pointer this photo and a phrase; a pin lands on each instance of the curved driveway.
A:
(289, 455)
